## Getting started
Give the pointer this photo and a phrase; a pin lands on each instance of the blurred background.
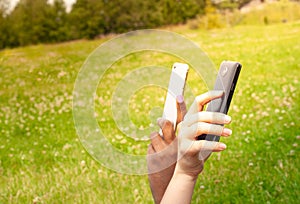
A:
(25, 22)
(43, 45)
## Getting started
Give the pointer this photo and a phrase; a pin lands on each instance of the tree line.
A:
(37, 21)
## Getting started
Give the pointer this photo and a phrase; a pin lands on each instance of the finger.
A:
(181, 108)
(202, 100)
(204, 128)
(157, 142)
(167, 129)
(201, 147)
(206, 147)
(209, 117)
(150, 149)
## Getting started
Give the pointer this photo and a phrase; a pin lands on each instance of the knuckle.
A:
(200, 115)
(168, 124)
(217, 117)
(218, 129)
(153, 135)
(201, 128)
(200, 98)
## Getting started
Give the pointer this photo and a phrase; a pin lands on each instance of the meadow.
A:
(42, 159)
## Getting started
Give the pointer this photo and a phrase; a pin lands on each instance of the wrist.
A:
(180, 189)
(187, 176)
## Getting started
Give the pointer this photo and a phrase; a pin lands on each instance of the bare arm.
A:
(161, 166)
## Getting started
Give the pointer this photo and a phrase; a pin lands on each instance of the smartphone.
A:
(176, 87)
(226, 80)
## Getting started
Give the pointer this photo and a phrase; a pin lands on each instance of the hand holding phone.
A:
(175, 88)
(226, 81)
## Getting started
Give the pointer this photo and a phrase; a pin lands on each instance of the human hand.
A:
(162, 153)
(192, 152)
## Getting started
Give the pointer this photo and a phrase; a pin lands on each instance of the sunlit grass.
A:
(42, 160)
(272, 12)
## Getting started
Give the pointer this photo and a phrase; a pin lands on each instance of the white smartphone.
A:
(176, 88)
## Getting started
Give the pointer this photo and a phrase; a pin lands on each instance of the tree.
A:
(36, 21)
(128, 15)
(57, 22)
(87, 19)
(178, 11)
(29, 22)
(4, 5)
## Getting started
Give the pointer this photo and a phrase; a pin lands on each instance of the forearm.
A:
(159, 183)
(180, 189)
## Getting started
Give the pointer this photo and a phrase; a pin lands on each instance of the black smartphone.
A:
(226, 80)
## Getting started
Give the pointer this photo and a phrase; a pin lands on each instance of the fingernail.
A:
(227, 118)
(227, 132)
(222, 146)
(160, 121)
(179, 98)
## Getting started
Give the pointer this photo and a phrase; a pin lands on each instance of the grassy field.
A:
(43, 161)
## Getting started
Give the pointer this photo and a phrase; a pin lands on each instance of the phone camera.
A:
(224, 72)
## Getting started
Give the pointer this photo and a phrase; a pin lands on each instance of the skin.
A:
(159, 181)
(175, 184)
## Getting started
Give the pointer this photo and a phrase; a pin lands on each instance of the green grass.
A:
(274, 12)
(267, 13)
(43, 161)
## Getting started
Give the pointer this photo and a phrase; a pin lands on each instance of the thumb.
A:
(181, 108)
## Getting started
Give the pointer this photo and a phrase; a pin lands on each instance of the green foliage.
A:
(57, 18)
(30, 21)
(37, 21)
(3, 23)
(178, 11)
(43, 161)
(130, 15)
(231, 4)
(87, 19)
(211, 19)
